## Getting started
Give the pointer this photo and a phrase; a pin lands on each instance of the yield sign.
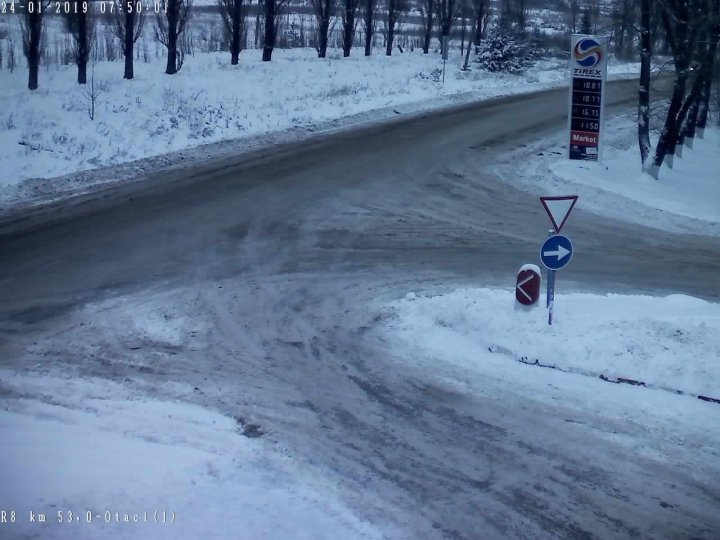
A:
(559, 208)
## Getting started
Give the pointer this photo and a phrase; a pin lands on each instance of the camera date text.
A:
(74, 7)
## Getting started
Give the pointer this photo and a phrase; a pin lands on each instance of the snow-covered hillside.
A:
(48, 133)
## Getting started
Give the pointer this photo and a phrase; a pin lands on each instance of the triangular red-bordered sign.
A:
(559, 208)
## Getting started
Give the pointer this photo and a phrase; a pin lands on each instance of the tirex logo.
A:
(587, 52)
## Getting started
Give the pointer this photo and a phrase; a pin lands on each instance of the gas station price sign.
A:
(588, 71)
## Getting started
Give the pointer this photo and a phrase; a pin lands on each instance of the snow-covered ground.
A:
(99, 459)
(98, 426)
(671, 342)
(131, 445)
(48, 133)
(685, 198)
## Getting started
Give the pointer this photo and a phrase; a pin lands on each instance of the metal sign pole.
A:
(445, 46)
(551, 295)
(550, 288)
(550, 281)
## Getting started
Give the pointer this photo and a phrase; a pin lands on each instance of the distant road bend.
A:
(318, 232)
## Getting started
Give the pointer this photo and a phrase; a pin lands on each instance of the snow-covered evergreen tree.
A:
(507, 50)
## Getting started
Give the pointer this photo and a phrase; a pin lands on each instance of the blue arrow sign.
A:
(556, 252)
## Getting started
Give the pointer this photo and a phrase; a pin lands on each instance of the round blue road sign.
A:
(556, 252)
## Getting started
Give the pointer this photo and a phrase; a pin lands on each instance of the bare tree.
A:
(573, 15)
(395, 10)
(272, 10)
(427, 7)
(233, 14)
(129, 22)
(369, 24)
(482, 19)
(349, 13)
(91, 94)
(711, 66)
(480, 14)
(80, 25)
(624, 20)
(644, 89)
(171, 23)
(11, 54)
(521, 14)
(31, 27)
(323, 10)
(515, 12)
(448, 12)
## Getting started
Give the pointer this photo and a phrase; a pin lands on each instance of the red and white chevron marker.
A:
(527, 289)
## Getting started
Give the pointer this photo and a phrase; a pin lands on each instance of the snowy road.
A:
(289, 255)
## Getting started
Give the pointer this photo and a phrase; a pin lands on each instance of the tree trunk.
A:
(391, 29)
(323, 37)
(235, 38)
(644, 90)
(348, 27)
(670, 132)
(33, 49)
(128, 45)
(269, 43)
(370, 9)
(477, 18)
(82, 72)
(428, 26)
(705, 91)
(82, 46)
(172, 37)
(704, 107)
(671, 129)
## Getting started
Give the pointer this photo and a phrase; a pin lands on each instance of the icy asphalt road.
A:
(294, 250)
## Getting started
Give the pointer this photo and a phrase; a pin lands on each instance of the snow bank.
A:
(685, 198)
(48, 133)
(113, 458)
(671, 342)
(690, 188)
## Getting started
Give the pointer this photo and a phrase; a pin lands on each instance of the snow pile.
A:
(107, 454)
(48, 132)
(671, 342)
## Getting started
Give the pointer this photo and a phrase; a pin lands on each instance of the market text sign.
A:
(588, 71)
